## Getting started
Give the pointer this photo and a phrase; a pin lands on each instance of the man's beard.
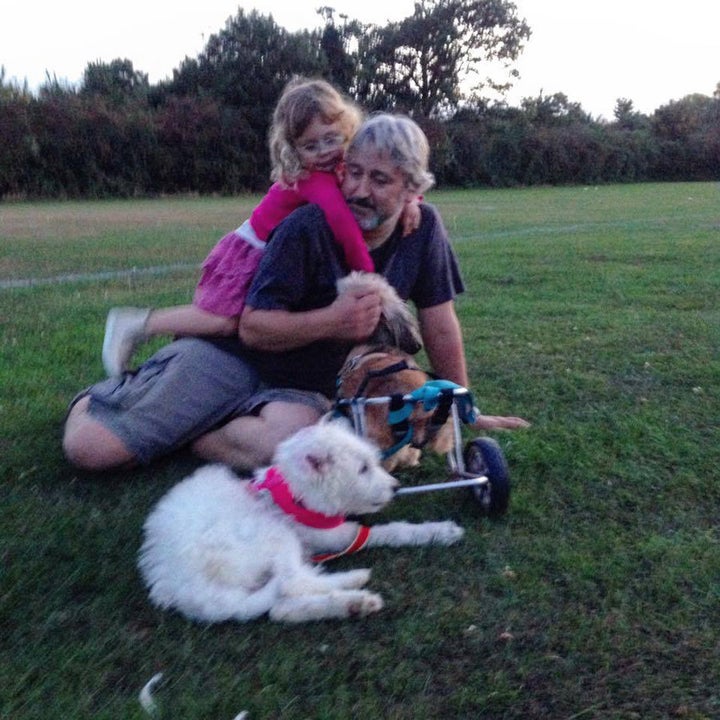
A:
(366, 221)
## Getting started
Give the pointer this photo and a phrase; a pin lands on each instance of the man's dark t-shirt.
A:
(299, 271)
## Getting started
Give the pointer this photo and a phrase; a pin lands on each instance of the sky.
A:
(594, 52)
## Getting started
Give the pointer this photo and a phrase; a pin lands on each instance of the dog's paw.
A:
(447, 533)
(356, 578)
(365, 603)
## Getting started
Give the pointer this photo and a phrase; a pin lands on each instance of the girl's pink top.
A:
(320, 188)
(231, 265)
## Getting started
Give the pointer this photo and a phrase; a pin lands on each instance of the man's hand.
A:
(357, 314)
(352, 317)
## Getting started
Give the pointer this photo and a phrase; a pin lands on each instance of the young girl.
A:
(311, 127)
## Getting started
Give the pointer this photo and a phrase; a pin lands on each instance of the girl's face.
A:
(321, 146)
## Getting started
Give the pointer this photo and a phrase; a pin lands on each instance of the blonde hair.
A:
(302, 101)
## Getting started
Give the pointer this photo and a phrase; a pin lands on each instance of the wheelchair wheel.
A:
(484, 457)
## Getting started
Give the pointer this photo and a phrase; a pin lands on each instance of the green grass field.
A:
(593, 312)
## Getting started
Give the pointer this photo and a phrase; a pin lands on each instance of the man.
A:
(235, 399)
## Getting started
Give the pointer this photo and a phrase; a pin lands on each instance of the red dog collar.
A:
(277, 486)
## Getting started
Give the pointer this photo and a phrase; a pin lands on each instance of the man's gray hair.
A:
(404, 142)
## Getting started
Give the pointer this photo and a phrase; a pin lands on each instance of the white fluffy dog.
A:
(219, 548)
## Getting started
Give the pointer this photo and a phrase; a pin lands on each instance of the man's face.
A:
(376, 192)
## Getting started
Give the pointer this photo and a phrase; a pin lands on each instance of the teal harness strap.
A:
(399, 410)
(435, 395)
(431, 392)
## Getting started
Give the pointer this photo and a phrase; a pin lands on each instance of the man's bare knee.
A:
(283, 419)
(249, 442)
(286, 418)
(205, 446)
(239, 443)
(88, 445)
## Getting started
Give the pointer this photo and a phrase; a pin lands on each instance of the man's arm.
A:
(351, 317)
(444, 346)
(443, 342)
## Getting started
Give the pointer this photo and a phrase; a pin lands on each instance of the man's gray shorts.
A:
(184, 390)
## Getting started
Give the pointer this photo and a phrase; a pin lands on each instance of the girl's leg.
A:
(183, 320)
(127, 328)
(124, 331)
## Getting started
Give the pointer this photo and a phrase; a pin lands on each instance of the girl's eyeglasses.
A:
(329, 142)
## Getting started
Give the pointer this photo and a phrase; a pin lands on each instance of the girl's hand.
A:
(411, 216)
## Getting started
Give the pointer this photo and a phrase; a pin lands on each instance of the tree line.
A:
(205, 130)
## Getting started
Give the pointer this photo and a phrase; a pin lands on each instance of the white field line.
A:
(573, 229)
(94, 276)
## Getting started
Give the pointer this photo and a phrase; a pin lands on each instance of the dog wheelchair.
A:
(478, 464)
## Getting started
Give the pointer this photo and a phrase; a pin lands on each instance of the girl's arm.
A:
(322, 189)
(277, 203)
(411, 216)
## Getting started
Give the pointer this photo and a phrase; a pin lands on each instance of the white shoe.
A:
(124, 331)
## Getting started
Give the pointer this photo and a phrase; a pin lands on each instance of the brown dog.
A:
(377, 371)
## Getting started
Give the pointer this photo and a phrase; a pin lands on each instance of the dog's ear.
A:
(319, 462)
(398, 327)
